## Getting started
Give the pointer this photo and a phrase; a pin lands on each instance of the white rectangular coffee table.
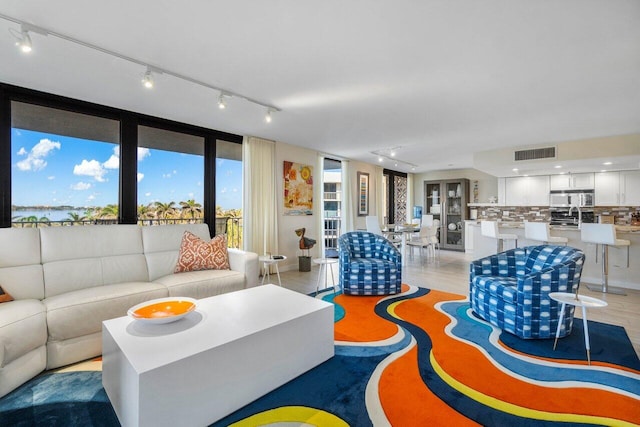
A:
(231, 350)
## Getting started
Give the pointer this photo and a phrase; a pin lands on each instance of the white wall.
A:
(487, 184)
(287, 224)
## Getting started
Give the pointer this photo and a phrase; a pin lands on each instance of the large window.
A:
(170, 176)
(62, 167)
(332, 205)
(65, 161)
(229, 192)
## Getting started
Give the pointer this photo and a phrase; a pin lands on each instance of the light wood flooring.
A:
(451, 274)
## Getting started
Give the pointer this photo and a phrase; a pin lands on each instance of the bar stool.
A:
(540, 231)
(490, 229)
(605, 235)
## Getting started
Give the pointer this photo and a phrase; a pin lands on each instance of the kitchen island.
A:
(619, 274)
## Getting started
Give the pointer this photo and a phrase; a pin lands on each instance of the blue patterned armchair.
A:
(369, 264)
(511, 289)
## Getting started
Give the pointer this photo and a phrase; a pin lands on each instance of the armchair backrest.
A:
(544, 256)
(363, 244)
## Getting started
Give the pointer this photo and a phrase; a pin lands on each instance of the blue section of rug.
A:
(61, 399)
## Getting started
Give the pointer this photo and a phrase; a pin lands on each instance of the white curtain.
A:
(319, 195)
(348, 201)
(260, 224)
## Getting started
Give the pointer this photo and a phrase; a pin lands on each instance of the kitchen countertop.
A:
(619, 228)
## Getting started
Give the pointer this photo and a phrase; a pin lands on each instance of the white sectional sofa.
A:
(67, 280)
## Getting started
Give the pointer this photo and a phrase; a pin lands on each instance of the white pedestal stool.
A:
(490, 229)
(604, 235)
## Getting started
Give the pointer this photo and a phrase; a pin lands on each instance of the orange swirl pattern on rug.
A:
(470, 367)
(360, 310)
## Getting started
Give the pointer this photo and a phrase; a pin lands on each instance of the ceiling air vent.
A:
(536, 153)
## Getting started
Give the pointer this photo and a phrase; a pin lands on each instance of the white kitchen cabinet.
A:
(607, 189)
(527, 191)
(572, 181)
(618, 188)
(630, 188)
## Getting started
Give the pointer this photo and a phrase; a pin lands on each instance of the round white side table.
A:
(268, 261)
(581, 301)
(324, 264)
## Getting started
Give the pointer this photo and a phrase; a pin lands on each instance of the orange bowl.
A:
(163, 310)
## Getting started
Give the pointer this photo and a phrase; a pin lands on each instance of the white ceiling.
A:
(439, 79)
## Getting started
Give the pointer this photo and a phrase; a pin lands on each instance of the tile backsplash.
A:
(622, 214)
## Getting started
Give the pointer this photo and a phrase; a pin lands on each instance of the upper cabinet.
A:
(576, 181)
(617, 188)
(527, 191)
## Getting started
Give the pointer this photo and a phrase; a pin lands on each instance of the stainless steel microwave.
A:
(571, 198)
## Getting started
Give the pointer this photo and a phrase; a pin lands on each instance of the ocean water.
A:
(53, 215)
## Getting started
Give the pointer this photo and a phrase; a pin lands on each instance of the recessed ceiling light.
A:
(603, 170)
(557, 166)
(515, 169)
(607, 163)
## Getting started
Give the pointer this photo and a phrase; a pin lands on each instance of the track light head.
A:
(23, 39)
(147, 79)
(267, 117)
(25, 42)
(222, 103)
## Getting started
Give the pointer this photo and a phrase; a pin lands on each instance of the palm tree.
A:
(146, 211)
(108, 212)
(165, 210)
(75, 217)
(191, 208)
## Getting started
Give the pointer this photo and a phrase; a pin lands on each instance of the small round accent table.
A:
(268, 261)
(324, 264)
(581, 301)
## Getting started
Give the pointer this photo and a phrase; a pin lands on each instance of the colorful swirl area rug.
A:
(419, 358)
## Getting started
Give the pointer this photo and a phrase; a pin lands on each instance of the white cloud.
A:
(190, 195)
(91, 168)
(81, 186)
(140, 176)
(143, 153)
(51, 178)
(166, 175)
(147, 194)
(35, 158)
(112, 163)
(91, 197)
(21, 151)
(223, 190)
(175, 172)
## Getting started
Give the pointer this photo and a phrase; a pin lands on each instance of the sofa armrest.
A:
(246, 263)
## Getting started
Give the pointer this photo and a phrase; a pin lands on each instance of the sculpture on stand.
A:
(305, 243)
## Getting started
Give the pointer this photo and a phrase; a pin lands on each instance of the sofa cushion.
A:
(75, 258)
(202, 284)
(23, 328)
(197, 254)
(81, 312)
(20, 267)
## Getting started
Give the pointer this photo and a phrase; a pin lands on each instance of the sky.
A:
(53, 170)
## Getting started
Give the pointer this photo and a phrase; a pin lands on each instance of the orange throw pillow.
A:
(4, 296)
(196, 254)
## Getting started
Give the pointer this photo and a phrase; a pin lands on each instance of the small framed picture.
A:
(363, 194)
